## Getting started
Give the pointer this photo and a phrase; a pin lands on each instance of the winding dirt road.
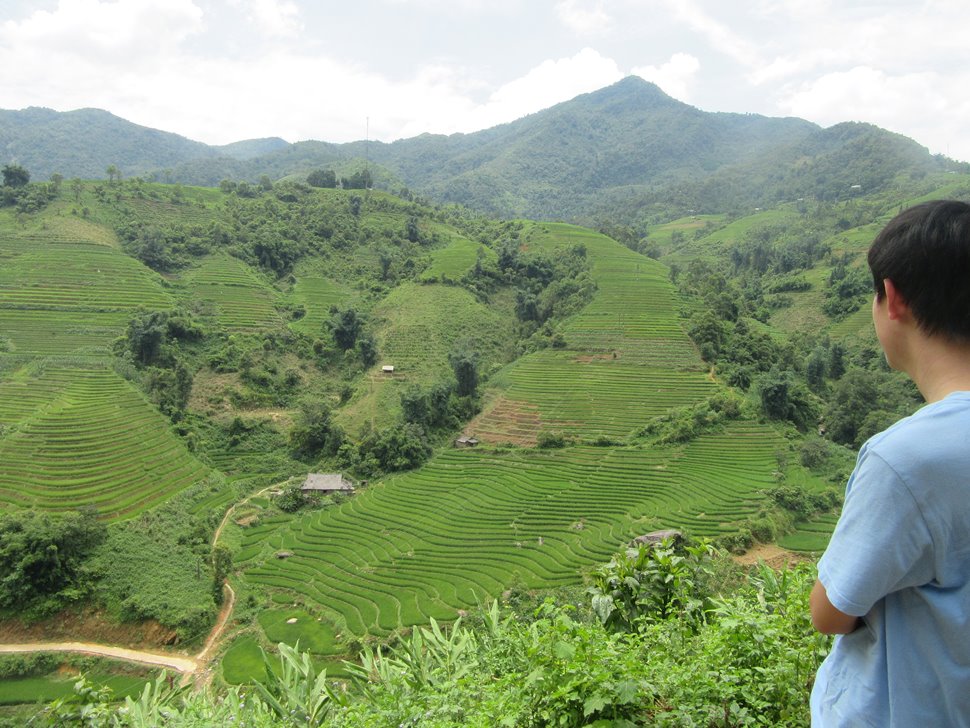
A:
(160, 659)
(189, 666)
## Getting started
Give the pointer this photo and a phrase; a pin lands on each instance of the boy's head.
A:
(925, 252)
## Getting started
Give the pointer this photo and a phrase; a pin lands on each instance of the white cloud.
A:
(583, 17)
(674, 76)
(547, 84)
(273, 17)
(719, 35)
(926, 106)
(128, 31)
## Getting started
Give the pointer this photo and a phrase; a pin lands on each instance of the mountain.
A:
(617, 152)
(83, 143)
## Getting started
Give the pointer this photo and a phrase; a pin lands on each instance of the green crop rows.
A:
(634, 312)
(627, 359)
(316, 295)
(85, 437)
(59, 296)
(242, 301)
(453, 261)
(553, 390)
(472, 523)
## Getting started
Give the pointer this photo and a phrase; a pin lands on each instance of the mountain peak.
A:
(632, 90)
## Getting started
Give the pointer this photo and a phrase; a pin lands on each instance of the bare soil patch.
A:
(507, 421)
(89, 626)
(771, 554)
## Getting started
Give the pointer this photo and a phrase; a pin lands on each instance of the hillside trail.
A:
(158, 659)
(193, 669)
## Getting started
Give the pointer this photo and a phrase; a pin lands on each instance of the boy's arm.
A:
(826, 617)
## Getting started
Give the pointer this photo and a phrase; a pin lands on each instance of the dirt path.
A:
(202, 672)
(197, 667)
(159, 659)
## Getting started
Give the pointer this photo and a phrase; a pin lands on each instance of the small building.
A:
(387, 369)
(284, 554)
(465, 441)
(326, 483)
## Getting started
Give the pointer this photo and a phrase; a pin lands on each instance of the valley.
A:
(174, 361)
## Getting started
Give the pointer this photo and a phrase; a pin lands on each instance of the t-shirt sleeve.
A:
(881, 543)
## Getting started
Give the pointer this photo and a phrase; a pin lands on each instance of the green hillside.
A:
(168, 353)
(77, 438)
(624, 358)
(472, 524)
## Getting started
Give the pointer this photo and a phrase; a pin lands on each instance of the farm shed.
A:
(465, 441)
(387, 369)
(326, 483)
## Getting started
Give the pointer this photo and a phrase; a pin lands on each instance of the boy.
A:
(894, 582)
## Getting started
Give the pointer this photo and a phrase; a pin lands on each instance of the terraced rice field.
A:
(627, 359)
(316, 295)
(455, 260)
(417, 327)
(242, 301)
(553, 390)
(473, 523)
(60, 296)
(85, 437)
(811, 536)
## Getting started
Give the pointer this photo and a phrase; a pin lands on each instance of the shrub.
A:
(548, 440)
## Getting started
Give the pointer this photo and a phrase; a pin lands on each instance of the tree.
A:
(367, 348)
(15, 176)
(221, 566)
(815, 369)
(358, 181)
(325, 178)
(784, 398)
(113, 173)
(314, 432)
(402, 447)
(146, 335)
(411, 229)
(170, 388)
(385, 260)
(354, 204)
(465, 366)
(76, 187)
(42, 559)
(345, 325)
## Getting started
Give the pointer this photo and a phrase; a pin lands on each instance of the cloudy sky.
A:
(223, 70)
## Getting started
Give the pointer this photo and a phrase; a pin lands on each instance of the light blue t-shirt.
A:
(900, 559)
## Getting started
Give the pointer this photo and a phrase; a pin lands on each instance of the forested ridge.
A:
(622, 154)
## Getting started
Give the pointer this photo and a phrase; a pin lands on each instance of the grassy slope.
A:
(74, 432)
(84, 437)
(626, 358)
(417, 326)
(473, 523)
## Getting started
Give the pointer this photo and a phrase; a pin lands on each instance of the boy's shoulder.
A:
(931, 446)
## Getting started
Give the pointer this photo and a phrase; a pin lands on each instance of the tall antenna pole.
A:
(367, 148)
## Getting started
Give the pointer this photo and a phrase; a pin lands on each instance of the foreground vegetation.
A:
(667, 635)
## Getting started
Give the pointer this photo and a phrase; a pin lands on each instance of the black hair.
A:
(925, 252)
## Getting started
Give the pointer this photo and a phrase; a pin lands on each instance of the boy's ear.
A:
(895, 303)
